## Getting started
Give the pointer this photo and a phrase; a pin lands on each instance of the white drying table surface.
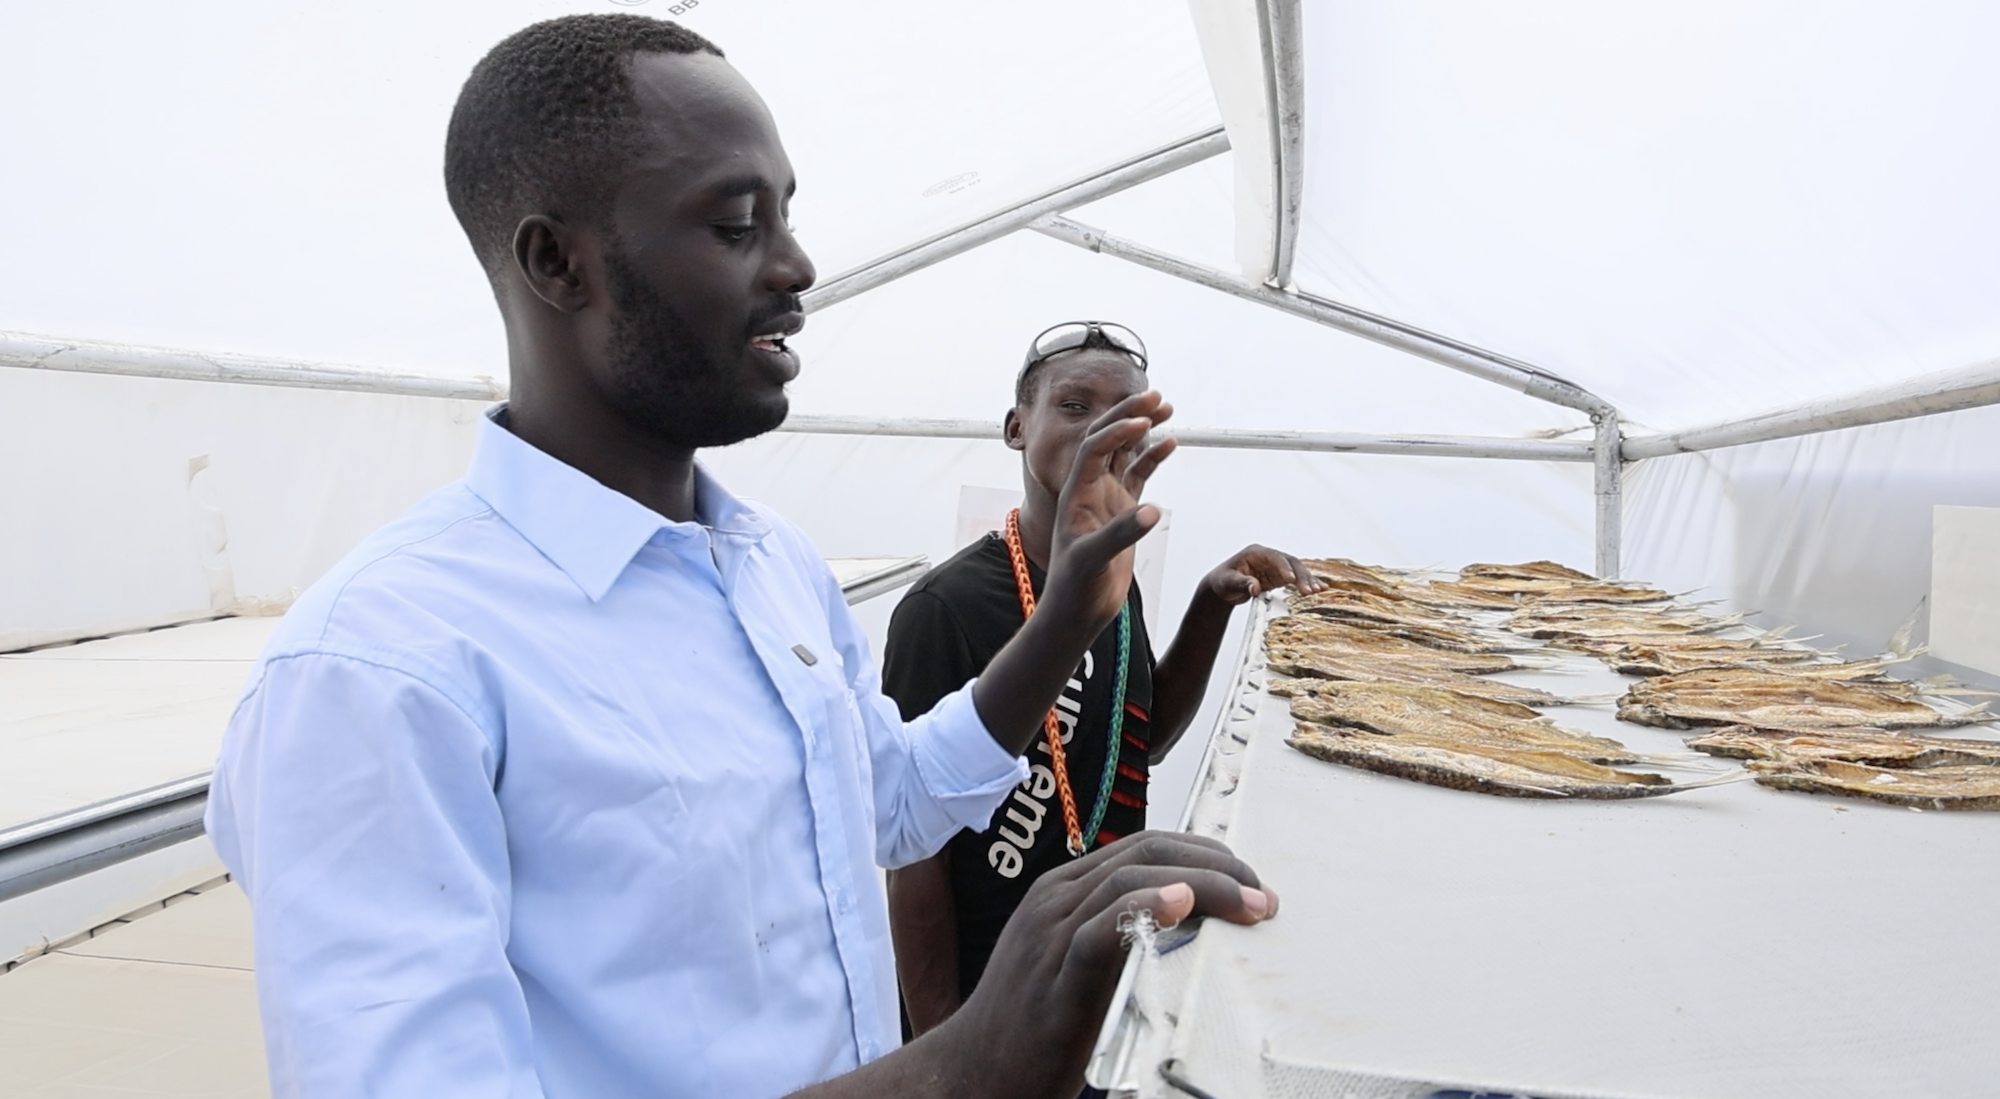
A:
(161, 1002)
(1726, 942)
(80, 724)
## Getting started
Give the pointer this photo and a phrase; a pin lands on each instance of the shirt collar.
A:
(589, 531)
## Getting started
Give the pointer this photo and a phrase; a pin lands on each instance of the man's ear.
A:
(1012, 432)
(550, 257)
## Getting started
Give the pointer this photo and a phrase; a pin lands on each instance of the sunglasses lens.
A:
(1069, 337)
(1061, 338)
(1125, 340)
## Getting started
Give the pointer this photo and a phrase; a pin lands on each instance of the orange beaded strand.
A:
(1051, 728)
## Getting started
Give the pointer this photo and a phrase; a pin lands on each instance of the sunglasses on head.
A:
(1074, 334)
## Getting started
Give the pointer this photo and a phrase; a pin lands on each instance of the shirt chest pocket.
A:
(842, 737)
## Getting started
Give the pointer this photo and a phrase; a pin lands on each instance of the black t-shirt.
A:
(948, 627)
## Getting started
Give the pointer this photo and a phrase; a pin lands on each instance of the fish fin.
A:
(1738, 775)
(1899, 642)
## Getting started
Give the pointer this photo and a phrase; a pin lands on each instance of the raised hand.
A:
(1258, 569)
(1098, 520)
(1098, 514)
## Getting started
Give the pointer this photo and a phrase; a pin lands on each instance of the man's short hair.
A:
(1024, 386)
(546, 123)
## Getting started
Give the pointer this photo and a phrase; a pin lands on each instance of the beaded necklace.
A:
(1052, 729)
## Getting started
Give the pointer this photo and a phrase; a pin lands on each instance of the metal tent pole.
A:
(1609, 492)
(1498, 369)
(1320, 442)
(1926, 395)
(89, 357)
(1281, 33)
(916, 257)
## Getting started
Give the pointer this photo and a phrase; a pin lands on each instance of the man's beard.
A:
(663, 380)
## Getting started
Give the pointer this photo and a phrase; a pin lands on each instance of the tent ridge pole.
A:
(1327, 442)
(1927, 395)
(1478, 362)
(87, 357)
(915, 257)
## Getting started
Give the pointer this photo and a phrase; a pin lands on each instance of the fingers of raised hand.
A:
(1274, 569)
(1142, 467)
(1107, 448)
(1095, 549)
(1303, 578)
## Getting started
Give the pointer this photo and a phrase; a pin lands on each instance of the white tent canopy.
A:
(1691, 215)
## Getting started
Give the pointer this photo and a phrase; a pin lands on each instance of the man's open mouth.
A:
(768, 343)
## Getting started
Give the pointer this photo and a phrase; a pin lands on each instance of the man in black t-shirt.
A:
(947, 911)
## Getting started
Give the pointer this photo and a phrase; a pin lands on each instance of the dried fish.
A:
(1600, 593)
(1624, 625)
(1876, 747)
(1450, 593)
(1655, 658)
(1368, 607)
(1532, 570)
(1485, 771)
(1447, 718)
(1546, 580)
(1441, 638)
(1772, 700)
(1960, 786)
(1318, 631)
(1362, 668)
(1341, 569)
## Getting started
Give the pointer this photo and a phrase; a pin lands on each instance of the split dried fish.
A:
(1368, 607)
(1962, 786)
(1626, 625)
(1489, 771)
(1448, 719)
(1532, 570)
(1875, 747)
(1601, 593)
(1342, 569)
(1690, 643)
(1373, 669)
(1654, 658)
(1772, 700)
(1546, 580)
(1313, 631)
(1450, 593)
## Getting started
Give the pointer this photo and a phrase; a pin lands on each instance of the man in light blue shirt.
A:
(573, 780)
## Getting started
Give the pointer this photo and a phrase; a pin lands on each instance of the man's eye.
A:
(1075, 406)
(735, 233)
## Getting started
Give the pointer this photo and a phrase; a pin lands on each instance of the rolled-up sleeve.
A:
(355, 804)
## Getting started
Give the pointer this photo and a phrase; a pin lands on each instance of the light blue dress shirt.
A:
(541, 793)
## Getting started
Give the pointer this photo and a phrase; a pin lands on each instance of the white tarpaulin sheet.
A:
(1733, 942)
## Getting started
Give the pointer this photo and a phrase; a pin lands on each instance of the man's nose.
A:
(790, 270)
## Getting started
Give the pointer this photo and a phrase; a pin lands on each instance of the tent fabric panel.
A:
(113, 526)
(1695, 213)
(1829, 534)
(265, 178)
